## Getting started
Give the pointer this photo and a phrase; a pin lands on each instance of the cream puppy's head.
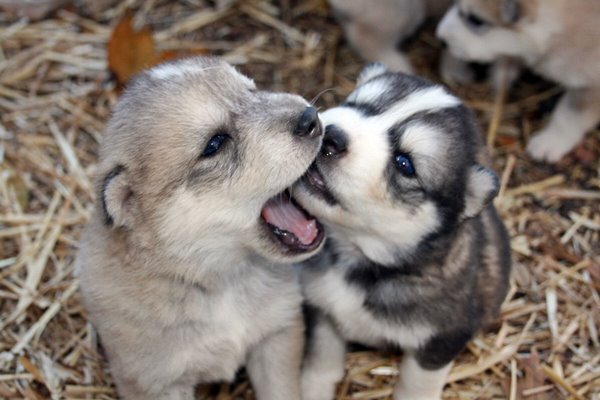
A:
(195, 161)
(484, 30)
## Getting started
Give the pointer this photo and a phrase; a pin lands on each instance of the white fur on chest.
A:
(194, 332)
(345, 304)
(238, 318)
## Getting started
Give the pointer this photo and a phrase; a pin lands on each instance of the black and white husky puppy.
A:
(417, 257)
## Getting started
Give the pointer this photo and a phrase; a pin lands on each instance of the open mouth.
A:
(291, 225)
(315, 183)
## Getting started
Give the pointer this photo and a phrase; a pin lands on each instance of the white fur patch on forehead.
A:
(422, 139)
(429, 99)
(369, 92)
(179, 70)
(192, 67)
(370, 72)
(370, 133)
(369, 144)
(341, 116)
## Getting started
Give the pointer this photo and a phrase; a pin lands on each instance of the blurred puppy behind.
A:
(555, 38)
(376, 28)
(183, 265)
(416, 256)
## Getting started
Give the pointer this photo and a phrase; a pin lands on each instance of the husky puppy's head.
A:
(397, 168)
(195, 161)
(484, 30)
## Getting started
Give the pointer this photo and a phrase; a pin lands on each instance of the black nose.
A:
(335, 142)
(308, 124)
(443, 44)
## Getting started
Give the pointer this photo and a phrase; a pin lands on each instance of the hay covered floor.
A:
(56, 94)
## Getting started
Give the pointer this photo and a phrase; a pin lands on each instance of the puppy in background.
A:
(416, 256)
(556, 38)
(183, 265)
(376, 28)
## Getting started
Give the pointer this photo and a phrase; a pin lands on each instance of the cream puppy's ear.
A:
(117, 198)
(482, 187)
(371, 71)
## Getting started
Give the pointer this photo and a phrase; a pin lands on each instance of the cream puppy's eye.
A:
(214, 145)
(473, 21)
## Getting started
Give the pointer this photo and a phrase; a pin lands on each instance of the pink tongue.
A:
(280, 212)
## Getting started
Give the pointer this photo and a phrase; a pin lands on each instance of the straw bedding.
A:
(56, 94)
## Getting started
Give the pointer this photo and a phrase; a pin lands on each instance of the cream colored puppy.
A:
(375, 28)
(183, 265)
(556, 38)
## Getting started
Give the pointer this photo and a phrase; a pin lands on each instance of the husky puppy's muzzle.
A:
(288, 224)
(335, 147)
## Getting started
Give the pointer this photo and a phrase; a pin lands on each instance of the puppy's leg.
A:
(454, 70)
(504, 74)
(423, 372)
(324, 361)
(274, 365)
(577, 112)
(129, 390)
(418, 383)
(376, 28)
(375, 45)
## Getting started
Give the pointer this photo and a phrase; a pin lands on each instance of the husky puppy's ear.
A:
(482, 187)
(510, 11)
(116, 198)
(371, 71)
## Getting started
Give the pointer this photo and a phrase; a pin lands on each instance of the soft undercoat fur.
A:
(376, 28)
(413, 262)
(181, 278)
(556, 38)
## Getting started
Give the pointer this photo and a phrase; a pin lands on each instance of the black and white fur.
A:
(417, 262)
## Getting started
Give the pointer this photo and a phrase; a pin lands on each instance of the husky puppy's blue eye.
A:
(404, 165)
(214, 144)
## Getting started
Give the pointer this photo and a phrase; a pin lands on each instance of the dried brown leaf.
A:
(31, 368)
(585, 155)
(129, 51)
(506, 141)
(594, 269)
(533, 376)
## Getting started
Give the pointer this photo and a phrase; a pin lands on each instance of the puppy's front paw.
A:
(410, 395)
(320, 385)
(551, 144)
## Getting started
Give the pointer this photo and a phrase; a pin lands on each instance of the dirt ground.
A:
(56, 94)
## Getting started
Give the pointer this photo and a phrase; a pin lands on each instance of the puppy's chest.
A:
(217, 330)
(346, 305)
(246, 312)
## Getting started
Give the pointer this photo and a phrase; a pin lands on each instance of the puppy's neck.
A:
(358, 248)
(209, 263)
(367, 247)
